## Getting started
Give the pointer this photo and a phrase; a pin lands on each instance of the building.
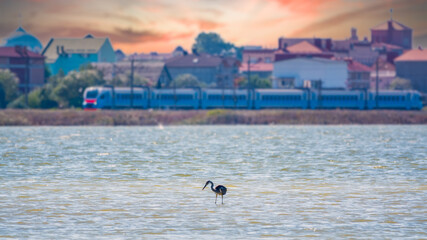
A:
(325, 44)
(412, 65)
(257, 61)
(260, 55)
(301, 49)
(263, 70)
(386, 73)
(392, 32)
(214, 71)
(291, 73)
(152, 71)
(70, 53)
(22, 38)
(359, 75)
(25, 64)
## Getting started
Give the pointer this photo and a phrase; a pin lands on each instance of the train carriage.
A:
(226, 98)
(394, 100)
(284, 98)
(175, 98)
(330, 99)
(119, 97)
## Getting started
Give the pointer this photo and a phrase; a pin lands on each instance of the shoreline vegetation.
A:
(76, 117)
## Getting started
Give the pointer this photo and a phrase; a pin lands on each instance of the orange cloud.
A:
(202, 24)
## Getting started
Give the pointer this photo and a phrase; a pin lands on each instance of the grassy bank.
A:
(217, 116)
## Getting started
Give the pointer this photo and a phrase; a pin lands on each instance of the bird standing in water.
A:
(218, 190)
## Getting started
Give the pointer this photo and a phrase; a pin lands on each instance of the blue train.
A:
(144, 98)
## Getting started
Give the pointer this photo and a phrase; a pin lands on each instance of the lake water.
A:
(146, 182)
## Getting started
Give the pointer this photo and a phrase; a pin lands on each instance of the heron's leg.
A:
(216, 195)
(222, 198)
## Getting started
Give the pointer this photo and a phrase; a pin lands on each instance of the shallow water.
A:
(146, 182)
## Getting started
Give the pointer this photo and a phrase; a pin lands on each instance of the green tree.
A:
(8, 87)
(212, 43)
(42, 98)
(69, 91)
(401, 84)
(186, 81)
(256, 82)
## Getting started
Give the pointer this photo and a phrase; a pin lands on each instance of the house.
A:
(257, 61)
(291, 73)
(214, 71)
(386, 73)
(70, 53)
(260, 55)
(325, 44)
(392, 32)
(263, 70)
(28, 66)
(358, 75)
(153, 71)
(412, 65)
(301, 49)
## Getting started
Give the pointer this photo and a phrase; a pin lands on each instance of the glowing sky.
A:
(161, 25)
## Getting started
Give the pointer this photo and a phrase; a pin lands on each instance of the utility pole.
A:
(376, 84)
(131, 81)
(249, 79)
(27, 74)
(320, 93)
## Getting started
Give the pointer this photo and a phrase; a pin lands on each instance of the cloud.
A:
(331, 22)
(202, 24)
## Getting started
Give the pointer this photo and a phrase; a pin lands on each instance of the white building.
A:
(291, 73)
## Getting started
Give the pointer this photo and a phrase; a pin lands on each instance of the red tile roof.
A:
(394, 24)
(303, 47)
(415, 55)
(15, 52)
(355, 66)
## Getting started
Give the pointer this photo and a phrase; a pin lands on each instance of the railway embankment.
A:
(71, 117)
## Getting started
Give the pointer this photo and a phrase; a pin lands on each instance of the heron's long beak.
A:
(204, 186)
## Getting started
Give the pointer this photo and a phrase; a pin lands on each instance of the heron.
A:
(218, 190)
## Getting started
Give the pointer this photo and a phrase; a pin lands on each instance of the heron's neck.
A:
(212, 186)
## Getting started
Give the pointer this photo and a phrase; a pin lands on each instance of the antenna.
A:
(391, 14)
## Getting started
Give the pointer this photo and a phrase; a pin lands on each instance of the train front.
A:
(90, 98)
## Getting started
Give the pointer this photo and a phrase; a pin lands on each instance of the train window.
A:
(92, 94)
(102, 96)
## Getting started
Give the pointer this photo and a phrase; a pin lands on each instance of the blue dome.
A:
(22, 38)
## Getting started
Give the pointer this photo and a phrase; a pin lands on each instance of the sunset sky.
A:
(161, 25)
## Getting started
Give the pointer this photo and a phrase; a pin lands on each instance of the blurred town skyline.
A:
(145, 26)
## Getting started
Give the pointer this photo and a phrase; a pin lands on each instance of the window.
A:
(92, 94)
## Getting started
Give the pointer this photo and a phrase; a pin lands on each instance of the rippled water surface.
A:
(146, 182)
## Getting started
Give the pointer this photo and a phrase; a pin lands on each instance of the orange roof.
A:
(395, 25)
(303, 47)
(413, 55)
(354, 66)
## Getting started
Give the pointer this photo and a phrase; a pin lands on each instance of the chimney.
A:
(420, 48)
(354, 34)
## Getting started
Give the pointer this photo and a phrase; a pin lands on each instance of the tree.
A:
(186, 81)
(212, 43)
(8, 87)
(42, 98)
(401, 84)
(69, 91)
(256, 82)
